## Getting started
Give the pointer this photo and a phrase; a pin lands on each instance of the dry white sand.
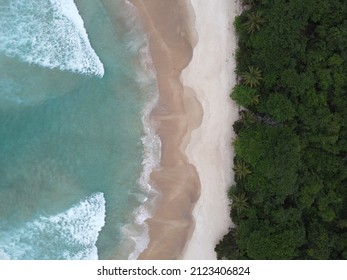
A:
(211, 75)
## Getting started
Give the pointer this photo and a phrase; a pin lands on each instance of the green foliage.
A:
(251, 77)
(275, 243)
(292, 135)
(248, 118)
(273, 154)
(286, 216)
(238, 201)
(320, 243)
(245, 96)
(328, 203)
(241, 170)
(279, 107)
(254, 21)
(227, 247)
(311, 185)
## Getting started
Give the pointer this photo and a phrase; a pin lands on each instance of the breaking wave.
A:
(68, 235)
(49, 33)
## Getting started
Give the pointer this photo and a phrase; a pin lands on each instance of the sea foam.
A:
(49, 33)
(68, 235)
(136, 234)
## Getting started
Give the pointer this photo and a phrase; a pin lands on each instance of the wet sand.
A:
(171, 44)
(195, 117)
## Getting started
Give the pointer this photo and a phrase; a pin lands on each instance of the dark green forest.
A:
(289, 200)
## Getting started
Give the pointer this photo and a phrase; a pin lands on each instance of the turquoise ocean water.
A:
(76, 147)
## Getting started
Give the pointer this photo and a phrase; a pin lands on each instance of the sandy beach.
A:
(192, 46)
(211, 75)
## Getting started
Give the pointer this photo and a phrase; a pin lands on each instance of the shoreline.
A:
(170, 40)
(186, 114)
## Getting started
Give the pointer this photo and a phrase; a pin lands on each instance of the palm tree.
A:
(255, 99)
(254, 22)
(248, 118)
(239, 201)
(252, 76)
(241, 170)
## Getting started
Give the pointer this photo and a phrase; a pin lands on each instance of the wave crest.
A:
(49, 33)
(74, 232)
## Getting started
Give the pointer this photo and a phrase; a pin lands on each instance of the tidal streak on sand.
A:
(195, 116)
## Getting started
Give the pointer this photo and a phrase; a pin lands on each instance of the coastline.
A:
(167, 25)
(186, 78)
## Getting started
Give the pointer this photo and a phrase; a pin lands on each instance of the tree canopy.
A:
(290, 195)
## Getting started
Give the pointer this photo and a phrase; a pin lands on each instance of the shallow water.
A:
(74, 96)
